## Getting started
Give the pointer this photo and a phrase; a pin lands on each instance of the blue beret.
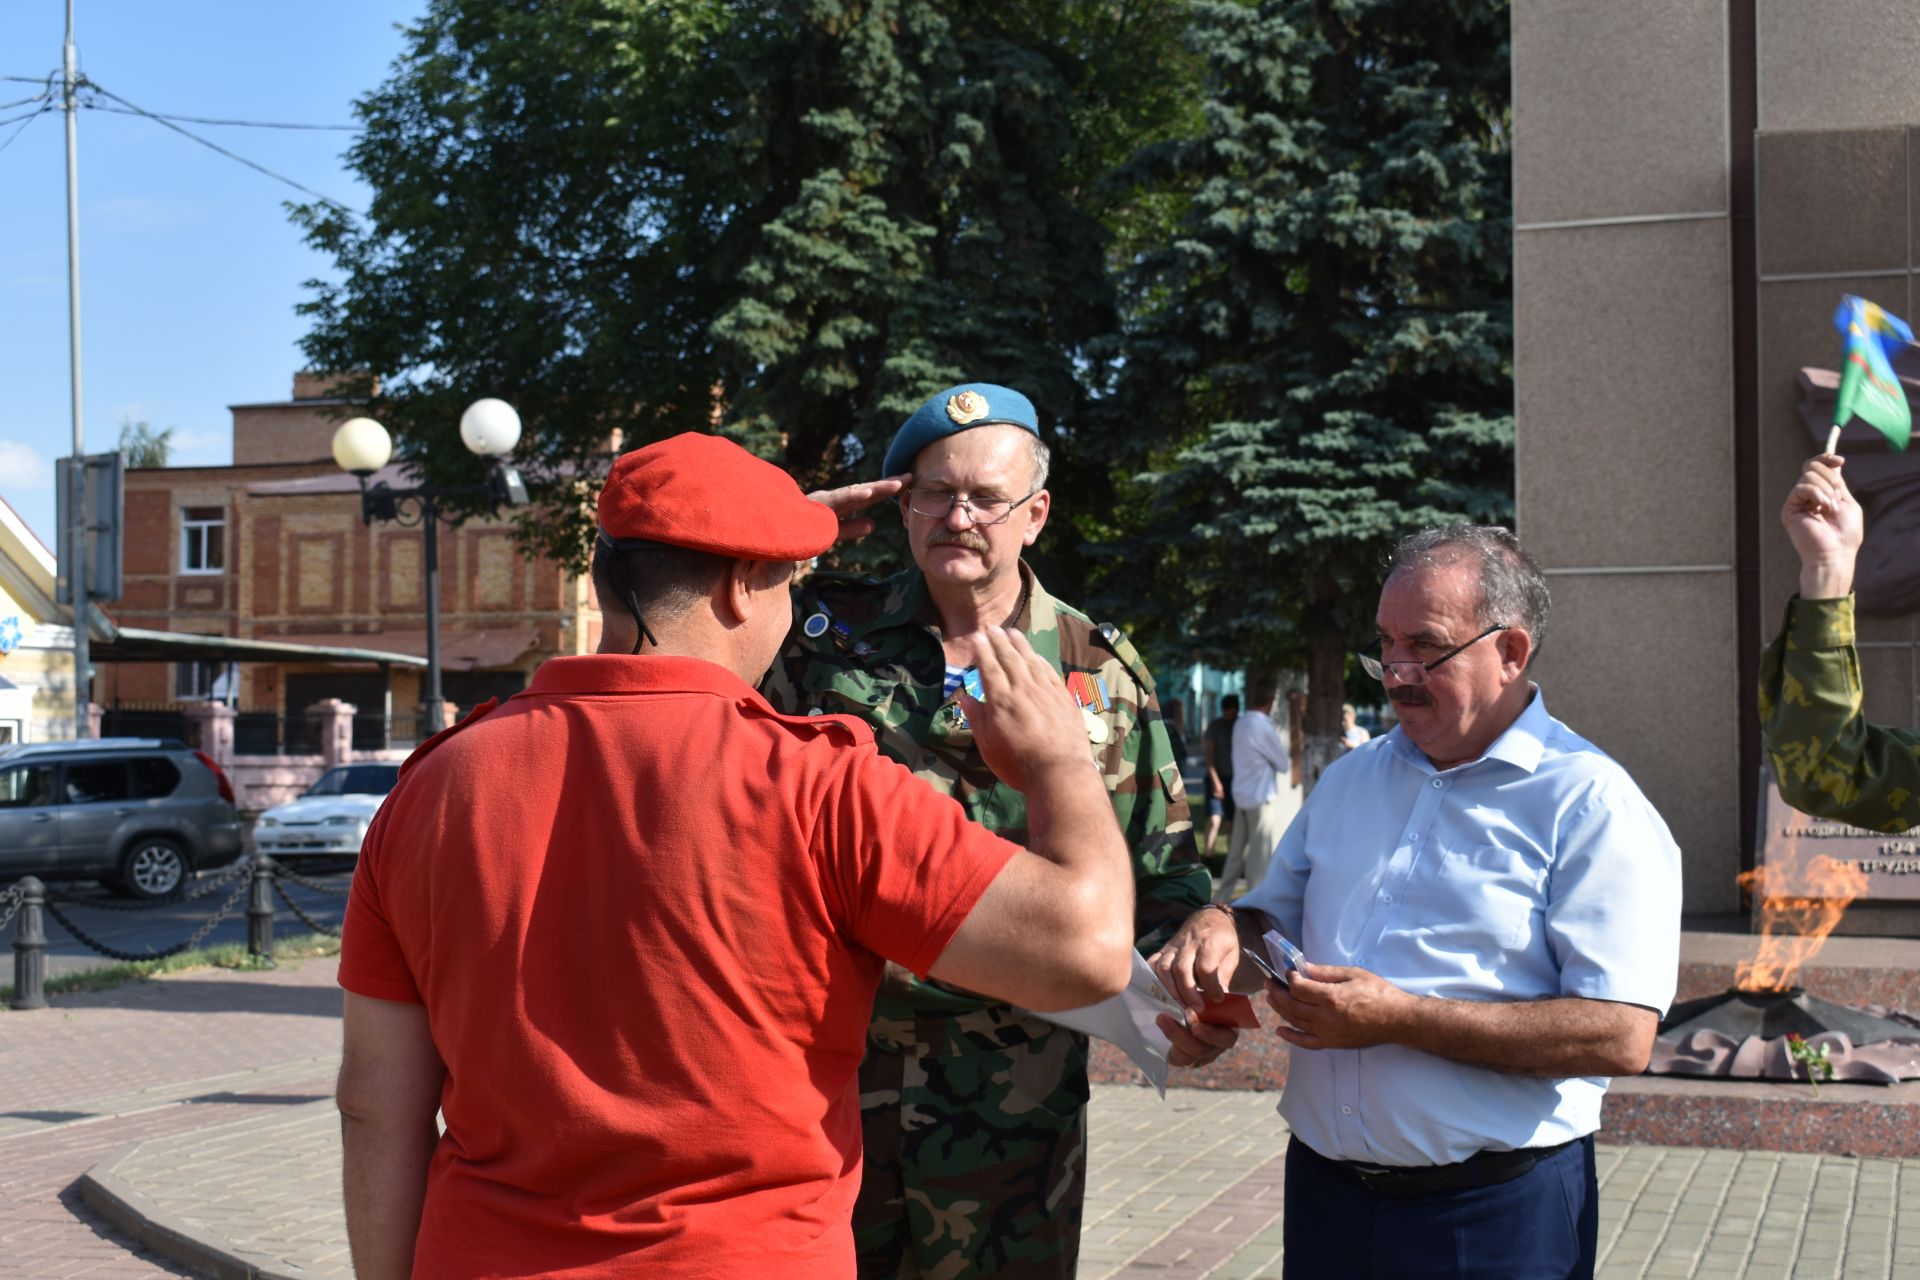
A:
(971, 404)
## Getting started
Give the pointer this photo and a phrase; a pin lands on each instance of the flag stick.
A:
(1833, 439)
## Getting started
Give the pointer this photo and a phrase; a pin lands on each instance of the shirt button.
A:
(1346, 1111)
(1436, 782)
(1386, 897)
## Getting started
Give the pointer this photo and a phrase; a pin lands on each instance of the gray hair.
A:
(1042, 460)
(1513, 591)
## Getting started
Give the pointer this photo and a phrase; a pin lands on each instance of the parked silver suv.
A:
(140, 814)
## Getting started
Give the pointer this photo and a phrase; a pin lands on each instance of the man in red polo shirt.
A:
(623, 931)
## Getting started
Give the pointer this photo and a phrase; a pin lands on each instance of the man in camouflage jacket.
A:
(1827, 759)
(974, 1113)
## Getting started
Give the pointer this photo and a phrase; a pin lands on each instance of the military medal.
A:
(823, 621)
(1090, 691)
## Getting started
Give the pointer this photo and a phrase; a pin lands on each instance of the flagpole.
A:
(1833, 439)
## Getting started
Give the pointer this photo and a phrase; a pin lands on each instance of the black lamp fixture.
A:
(489, 428)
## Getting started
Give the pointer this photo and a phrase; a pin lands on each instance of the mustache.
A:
(1410, 695)
(966, 538)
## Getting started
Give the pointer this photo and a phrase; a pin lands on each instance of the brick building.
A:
(273, 548)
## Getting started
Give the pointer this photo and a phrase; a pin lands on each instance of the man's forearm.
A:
(1561, 1037)
(386, 1187)
(1070, 823)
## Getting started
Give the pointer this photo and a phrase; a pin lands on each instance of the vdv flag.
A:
(1868, 386)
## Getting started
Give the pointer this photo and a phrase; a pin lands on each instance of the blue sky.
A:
(189, 267)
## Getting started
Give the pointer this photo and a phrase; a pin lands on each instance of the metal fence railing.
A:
(147, 720)
(28, 903)
(266, 732)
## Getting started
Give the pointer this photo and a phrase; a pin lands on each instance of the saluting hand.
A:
(849, 499)
(1028, 723)
(1825, 524)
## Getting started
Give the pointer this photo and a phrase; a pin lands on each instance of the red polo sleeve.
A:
(371, 961)
(904, 862)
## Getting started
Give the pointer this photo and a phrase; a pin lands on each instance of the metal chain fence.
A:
(114, 953)
(202, 890)
(10, 901)
(305, 919)
(282, 872)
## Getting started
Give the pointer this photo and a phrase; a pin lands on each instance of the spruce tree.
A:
(1320, 361)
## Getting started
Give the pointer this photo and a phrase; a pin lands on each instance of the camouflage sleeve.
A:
(1150, 801)
(1170, 883)
(1828, 760)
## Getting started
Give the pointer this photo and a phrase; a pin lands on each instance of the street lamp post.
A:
(489, 428)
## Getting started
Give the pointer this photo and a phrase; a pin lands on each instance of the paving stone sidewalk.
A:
(200, 1101)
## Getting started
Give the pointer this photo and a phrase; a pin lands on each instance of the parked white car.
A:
(330, 819)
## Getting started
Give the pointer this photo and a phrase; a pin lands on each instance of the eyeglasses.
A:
(937, 504)
(1407, 671)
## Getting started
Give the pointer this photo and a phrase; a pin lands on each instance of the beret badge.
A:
(968, 406)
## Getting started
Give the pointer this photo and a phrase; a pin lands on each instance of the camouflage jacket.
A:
(1828, 760)
(877, 656)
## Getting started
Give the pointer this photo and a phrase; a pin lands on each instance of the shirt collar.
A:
(620, 673)
(1522, 744)
(907, 596)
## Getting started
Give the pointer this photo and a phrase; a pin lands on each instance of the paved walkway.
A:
(194, 1109)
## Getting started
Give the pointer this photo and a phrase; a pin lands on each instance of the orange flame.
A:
(1799, 907)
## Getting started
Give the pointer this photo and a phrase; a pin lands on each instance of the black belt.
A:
(1485, 1169)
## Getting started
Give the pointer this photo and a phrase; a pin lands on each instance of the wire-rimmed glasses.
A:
(1408, 671)
(937, 504)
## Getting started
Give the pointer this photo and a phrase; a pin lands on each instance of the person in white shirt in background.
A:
(1351, 734)
(1264, 798)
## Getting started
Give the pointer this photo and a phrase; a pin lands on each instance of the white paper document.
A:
(1128, 1021)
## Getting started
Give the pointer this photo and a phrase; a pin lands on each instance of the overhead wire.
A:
(28, 115)
(243, 124)
(134, 108)
(166, 120)
(25, 120)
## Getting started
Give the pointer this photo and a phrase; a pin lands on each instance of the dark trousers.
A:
(1543, 1225)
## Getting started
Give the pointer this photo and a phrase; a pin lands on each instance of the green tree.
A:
(791, 220)
(541, 175)
(143, 446)
(1320, 360)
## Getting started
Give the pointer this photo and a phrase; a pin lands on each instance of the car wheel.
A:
(154, 867)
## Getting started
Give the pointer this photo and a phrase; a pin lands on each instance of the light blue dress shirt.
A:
(1537, 870)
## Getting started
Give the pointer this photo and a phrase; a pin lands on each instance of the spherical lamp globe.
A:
(490, 428)
(362, 446)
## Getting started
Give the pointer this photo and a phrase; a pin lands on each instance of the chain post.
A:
(260, 911)
(30, 948)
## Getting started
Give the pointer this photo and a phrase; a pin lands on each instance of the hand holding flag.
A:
(1868, 386)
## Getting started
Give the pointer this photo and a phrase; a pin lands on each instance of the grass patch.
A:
(231, 955)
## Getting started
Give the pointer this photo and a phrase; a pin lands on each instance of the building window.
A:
(203, 540)
(195, 681)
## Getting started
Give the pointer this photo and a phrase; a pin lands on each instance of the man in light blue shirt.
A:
(1490, 911)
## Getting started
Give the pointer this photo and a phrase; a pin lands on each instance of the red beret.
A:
(706, 493)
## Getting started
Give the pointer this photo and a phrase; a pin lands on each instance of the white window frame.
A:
(188, 526)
